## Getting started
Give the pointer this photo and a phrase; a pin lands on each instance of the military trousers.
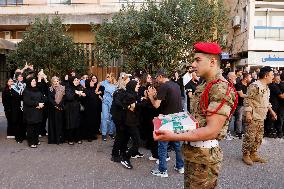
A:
(202, 167)
(253, 136)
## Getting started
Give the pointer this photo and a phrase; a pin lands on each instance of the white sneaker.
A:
(9, 137)
(151, 158)
(158, 173)
(229, 137)
(180, 170)
(168, 159)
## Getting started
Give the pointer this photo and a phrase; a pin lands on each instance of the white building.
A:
(257, 34)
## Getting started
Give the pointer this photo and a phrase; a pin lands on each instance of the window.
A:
(11, 2)
(59, 1)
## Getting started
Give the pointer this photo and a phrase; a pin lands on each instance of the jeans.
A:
(106, 118)
(162, 152)
(239, 120)
(231, 128)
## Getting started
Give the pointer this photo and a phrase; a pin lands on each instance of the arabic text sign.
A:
(273, 59)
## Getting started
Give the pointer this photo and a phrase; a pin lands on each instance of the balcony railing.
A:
(269, 33)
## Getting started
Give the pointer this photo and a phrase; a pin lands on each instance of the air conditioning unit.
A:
(7, 35)
(236, 22)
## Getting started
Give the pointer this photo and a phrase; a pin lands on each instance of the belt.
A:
(205, 144)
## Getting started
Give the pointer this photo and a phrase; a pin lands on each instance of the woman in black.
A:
(42, 84)
(132, 121)
(93, 109)
(33, 109)
(7, 98)
(17, 109)
(145, 128)
(55, 111)
(73, 92)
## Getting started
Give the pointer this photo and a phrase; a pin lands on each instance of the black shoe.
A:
(90, 140)
(126, 164)
(115, 159)
(138, 155)
(112, 136)
(104, 138)
(280, 135)
(239, 135)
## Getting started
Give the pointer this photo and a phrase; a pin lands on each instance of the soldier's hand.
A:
(164, 135)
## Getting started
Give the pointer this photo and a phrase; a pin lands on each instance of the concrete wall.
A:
(237, 39)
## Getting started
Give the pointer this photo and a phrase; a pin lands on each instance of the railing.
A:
(269, 33)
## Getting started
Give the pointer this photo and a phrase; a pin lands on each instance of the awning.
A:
(5, 44)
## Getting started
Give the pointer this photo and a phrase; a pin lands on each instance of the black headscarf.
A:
(70, 80)
(28, 84)
(87, 84)
(130, 87)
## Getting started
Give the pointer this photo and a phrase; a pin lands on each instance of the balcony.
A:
(270, 4)
(269, 33)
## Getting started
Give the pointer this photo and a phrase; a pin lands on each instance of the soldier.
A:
(256, 106)
(212, 104)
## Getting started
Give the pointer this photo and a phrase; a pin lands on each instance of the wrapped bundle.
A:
(179, 122)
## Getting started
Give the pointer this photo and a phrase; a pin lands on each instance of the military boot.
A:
(246, 159)
(255, 158)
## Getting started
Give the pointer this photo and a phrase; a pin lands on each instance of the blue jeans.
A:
(239, 120)
(231, 128)
(163, 151)
(106, 119)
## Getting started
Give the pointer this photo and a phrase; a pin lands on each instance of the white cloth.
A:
(186, 78)
(205, 144)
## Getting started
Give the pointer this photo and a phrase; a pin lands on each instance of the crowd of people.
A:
(242, 80)
(81, 108)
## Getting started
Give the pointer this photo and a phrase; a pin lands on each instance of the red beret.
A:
(207, 48)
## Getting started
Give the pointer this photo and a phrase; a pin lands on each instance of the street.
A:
(88, 165)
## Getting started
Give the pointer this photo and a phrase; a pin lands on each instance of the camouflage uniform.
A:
(256, 102)
(202, 165)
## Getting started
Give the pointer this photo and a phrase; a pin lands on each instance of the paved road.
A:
(88, 166)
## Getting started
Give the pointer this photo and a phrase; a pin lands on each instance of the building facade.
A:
(256, 33)
(16, 15)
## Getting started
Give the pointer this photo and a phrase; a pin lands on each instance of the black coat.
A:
(93, 105)
(132, 118)
(55, 119)
(31, 99)
(7, 98)
(72, 108)
(12, 105)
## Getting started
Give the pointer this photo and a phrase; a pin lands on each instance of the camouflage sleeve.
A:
(216, 96)
(251, 93)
